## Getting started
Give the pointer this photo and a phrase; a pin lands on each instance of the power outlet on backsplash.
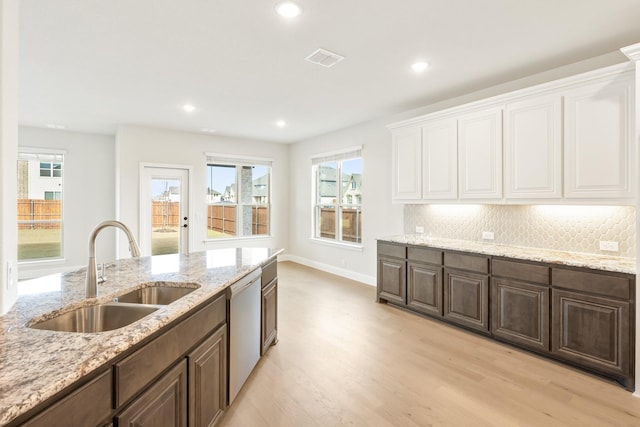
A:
(419, 229)
(609, 246)
(487, 235)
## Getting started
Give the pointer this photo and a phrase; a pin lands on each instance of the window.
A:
(238, 197)
(39, 205)
(337, 211)
(50, 169)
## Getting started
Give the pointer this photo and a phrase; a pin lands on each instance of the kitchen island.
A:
(37, 365)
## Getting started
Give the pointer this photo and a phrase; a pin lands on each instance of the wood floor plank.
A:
(344, 360)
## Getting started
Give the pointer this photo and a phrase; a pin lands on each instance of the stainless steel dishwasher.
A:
(244, 330)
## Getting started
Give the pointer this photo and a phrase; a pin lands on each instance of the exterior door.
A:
(164, 210)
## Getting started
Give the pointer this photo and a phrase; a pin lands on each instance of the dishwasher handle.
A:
(246, 281)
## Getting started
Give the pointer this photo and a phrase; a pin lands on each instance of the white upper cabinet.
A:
(406, 165)
(533, 148)
(440, 160)
(480, 154)
(570, 141)
(598, 140)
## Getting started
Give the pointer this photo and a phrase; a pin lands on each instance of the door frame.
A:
(141, 200)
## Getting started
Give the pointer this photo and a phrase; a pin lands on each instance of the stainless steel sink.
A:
(96, 318)
(156, 294)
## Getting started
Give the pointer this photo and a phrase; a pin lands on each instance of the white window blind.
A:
(346, 154)
(226, 159)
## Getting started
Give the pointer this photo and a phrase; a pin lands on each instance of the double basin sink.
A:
(122, 311)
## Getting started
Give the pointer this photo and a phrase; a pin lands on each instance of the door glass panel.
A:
(165, 216)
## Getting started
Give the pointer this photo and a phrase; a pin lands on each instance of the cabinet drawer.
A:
(600, 284)
(88, 405)
(521, 271)
(139, 369)
(476, 263)
(269, 272)
(389, 249)
(429, 256)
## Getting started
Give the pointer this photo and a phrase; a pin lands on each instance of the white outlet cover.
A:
(419, 229)
(488, 235)
(609, 246)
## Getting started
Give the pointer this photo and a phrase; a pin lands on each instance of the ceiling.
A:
(91, 65)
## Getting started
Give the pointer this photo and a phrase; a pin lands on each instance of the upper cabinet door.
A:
(440, 160)
(480, 154)
(406, 164)
(533, 148)
(598, 140)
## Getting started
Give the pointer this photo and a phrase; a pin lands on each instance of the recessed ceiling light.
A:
(55, 126)
(208, 130)
(419, 67)
(281, 123)
(288, 9)
(188, 108)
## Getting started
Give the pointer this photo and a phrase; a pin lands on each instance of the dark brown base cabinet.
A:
(269, 307)
(208, 380)
(520, 313)
(520, 301)
(582, 317)
(424, 288)
(466, 299)
(392, 273)
(162, 405)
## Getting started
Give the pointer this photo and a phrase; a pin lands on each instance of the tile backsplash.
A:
(568, 228)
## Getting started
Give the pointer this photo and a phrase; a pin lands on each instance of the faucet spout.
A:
(91, 280)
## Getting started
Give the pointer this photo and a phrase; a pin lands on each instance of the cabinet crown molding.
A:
(632, 52)
(516, 95)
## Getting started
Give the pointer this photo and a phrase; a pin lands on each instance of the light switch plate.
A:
(606, 245)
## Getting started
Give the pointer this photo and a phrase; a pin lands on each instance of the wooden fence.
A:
(39, 214)
(222, 218)
(165, 214)
(351, 224)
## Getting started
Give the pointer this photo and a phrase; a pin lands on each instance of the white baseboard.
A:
(342, 272)
(636, 394)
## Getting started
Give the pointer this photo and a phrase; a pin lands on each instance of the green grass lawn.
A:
(37, 244)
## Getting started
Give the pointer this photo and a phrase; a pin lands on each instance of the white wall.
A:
(379, 216)
(135, 145)
(8, 151)
(88, 195)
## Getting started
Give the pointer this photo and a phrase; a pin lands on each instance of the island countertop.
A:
(36, 364)
(574, 259)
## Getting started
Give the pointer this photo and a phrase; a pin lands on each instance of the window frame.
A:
(53, 157)
(338, 158)
(238, 162)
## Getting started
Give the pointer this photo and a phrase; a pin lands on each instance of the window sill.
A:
(232, 239)
(41, 261)
(334, 243)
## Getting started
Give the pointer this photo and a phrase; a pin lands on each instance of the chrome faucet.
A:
(91, 281)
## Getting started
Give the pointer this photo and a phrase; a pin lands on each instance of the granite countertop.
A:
(574, 259)
(35, 364)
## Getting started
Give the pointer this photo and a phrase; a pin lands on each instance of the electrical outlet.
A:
(419, 229)
(487, 235)
(9, 274)
(608, 246)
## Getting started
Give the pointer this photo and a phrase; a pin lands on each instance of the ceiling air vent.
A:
(324, 57)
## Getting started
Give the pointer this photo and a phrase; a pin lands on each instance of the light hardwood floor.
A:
(343, 359)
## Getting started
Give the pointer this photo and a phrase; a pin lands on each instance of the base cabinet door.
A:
(392, 280)
(466, 299)
(520, 313)
(424, 288)
(162, 405)
(208, 380)
(591, 331)
(269, 329)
